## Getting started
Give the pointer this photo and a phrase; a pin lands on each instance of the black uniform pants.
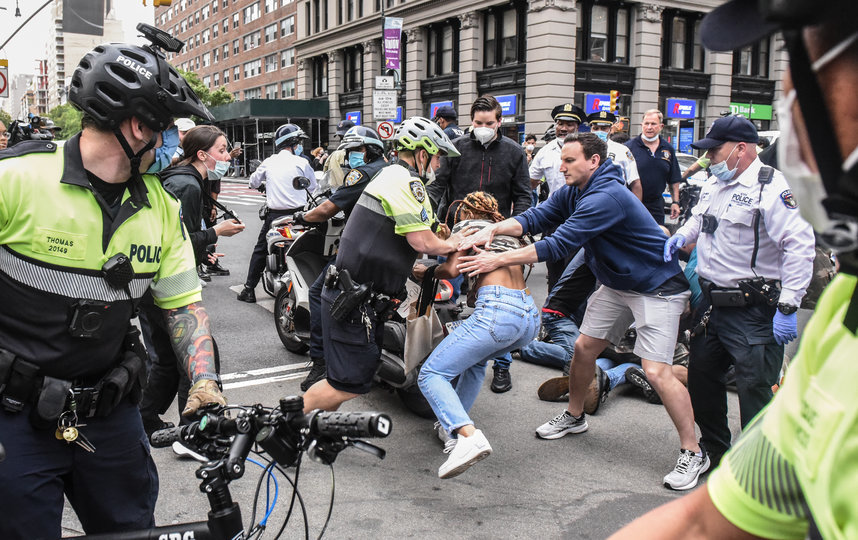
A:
(113, 489)
(734, 336)
(166, 376)
(260, 251)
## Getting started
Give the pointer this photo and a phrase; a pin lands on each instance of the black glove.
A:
(298, 217)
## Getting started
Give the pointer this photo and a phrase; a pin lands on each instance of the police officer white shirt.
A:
(546, 164)
(786, 248)
(622, 157)
(278, 171)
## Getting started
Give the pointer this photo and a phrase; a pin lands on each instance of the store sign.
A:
(597, 103)
(433, 107)
(686, 137)
(354, 116)
(752, 110)
(509, 104)
(681, 108)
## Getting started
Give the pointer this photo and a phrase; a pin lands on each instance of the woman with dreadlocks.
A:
(505, 319)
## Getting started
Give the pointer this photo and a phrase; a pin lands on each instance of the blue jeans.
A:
(556, 351)
(616, 372)
(504, 320)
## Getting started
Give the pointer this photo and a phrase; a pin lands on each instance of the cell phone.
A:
(728, 298)
(237, 145)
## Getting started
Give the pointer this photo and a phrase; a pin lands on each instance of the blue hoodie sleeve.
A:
(594, 214)
(559, 205)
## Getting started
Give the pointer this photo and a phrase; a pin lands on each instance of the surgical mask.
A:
(356, 159)
(529, 148)
(484, 134)
(602, 135)
(720, 169)
(164, 153)
(806, 185)
(220, 169)
(299, 149)
(428, 173)
(649, 139)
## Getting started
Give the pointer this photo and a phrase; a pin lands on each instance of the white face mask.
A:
(649, 139)
(484, 134)
(721, 170)
(805, 184)
(529, 147)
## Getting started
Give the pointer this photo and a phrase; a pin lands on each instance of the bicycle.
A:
(285, 433)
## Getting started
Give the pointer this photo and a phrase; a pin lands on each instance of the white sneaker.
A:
(466, 452)
(183, 451)
(442, 433)
(688, 469)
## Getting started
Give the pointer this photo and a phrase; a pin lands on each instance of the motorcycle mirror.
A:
(252, 165)
(300, 182)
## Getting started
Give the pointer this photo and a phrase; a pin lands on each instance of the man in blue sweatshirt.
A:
(623, 247)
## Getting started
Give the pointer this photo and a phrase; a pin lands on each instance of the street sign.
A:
(384, 103)
(4, 78)
(385, 82)
(385, 130)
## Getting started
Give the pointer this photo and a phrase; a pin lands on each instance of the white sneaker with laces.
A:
(464, 452)
(183, 451)
(562, 424)
(689, 467)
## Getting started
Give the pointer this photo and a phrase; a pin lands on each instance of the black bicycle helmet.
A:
(363, 136)
(288, 135)
(115, 81)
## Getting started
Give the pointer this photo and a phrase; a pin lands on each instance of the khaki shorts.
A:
(610, 313)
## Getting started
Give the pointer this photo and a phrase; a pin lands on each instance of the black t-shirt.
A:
(346, 197)
(111, 193)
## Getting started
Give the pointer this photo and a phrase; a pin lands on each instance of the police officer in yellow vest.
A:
(84, 232)
(793, 473)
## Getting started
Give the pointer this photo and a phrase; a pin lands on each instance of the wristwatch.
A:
(787, 309)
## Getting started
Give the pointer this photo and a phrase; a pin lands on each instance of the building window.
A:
(217, 79)
(205, 13)
(214, 7)
(753, 60)
(287, 58)
(352, 68)
(226, 51)
(235, 47)
(207, 81)
(287, 26)
(270, 91)
(681, 38)
(225, 26)
(505, 35)
(270, 63)
(251, 13)
(206, 35)
(287, 89)
(317, 16)
(253, 93)
(252, 68)
(320, 76)
(207, 59)
(442, 48)
(270, 33)
(236, 73)
(216, 55)
(270, 5)
(251, 41)
(603, 32)
(215, 29)
(225, 76)
(235, 19)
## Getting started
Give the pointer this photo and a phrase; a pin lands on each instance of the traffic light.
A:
(615, 94)
(158, 3)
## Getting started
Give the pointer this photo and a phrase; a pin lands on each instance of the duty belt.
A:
(750, 292)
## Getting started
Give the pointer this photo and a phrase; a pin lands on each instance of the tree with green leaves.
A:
(211, 99)
(67, 118)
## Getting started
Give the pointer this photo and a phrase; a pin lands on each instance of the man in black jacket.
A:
(492, 163)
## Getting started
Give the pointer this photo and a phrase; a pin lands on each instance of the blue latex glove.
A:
(785, 327)
(673, 243)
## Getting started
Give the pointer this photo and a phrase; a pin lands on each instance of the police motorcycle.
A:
(296, 256)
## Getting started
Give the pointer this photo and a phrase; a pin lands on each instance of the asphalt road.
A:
(581, 486)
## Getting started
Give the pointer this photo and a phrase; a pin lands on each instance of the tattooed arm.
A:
(192, 341)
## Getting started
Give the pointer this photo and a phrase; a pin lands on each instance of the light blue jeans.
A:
(616, 372)
(504, 320)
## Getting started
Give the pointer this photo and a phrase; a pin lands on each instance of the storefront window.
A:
(682, 48)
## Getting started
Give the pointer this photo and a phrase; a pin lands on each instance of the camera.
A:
(31, 130)
(88, 318)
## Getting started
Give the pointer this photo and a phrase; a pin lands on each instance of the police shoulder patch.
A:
(418, 190)
(665, 154)
(353, 178)
(789, 200)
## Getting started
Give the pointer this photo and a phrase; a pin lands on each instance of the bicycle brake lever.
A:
(369, 448)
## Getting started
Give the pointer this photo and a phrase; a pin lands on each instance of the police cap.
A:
(344, 126)
(602, 117)
(729, 128)
(568, 111)
(447, 112)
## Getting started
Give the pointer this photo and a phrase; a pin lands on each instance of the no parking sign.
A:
(385, 130)
(4, 78)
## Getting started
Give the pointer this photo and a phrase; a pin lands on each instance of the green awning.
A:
(272, 109)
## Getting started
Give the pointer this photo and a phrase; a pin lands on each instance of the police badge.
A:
(418, 190)
(352, 178)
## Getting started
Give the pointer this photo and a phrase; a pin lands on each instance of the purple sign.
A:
(392, 38)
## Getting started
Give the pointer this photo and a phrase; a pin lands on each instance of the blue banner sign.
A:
(354, 117)
(681, 108)
(509, 104)
(433, 107)
(597, 103)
